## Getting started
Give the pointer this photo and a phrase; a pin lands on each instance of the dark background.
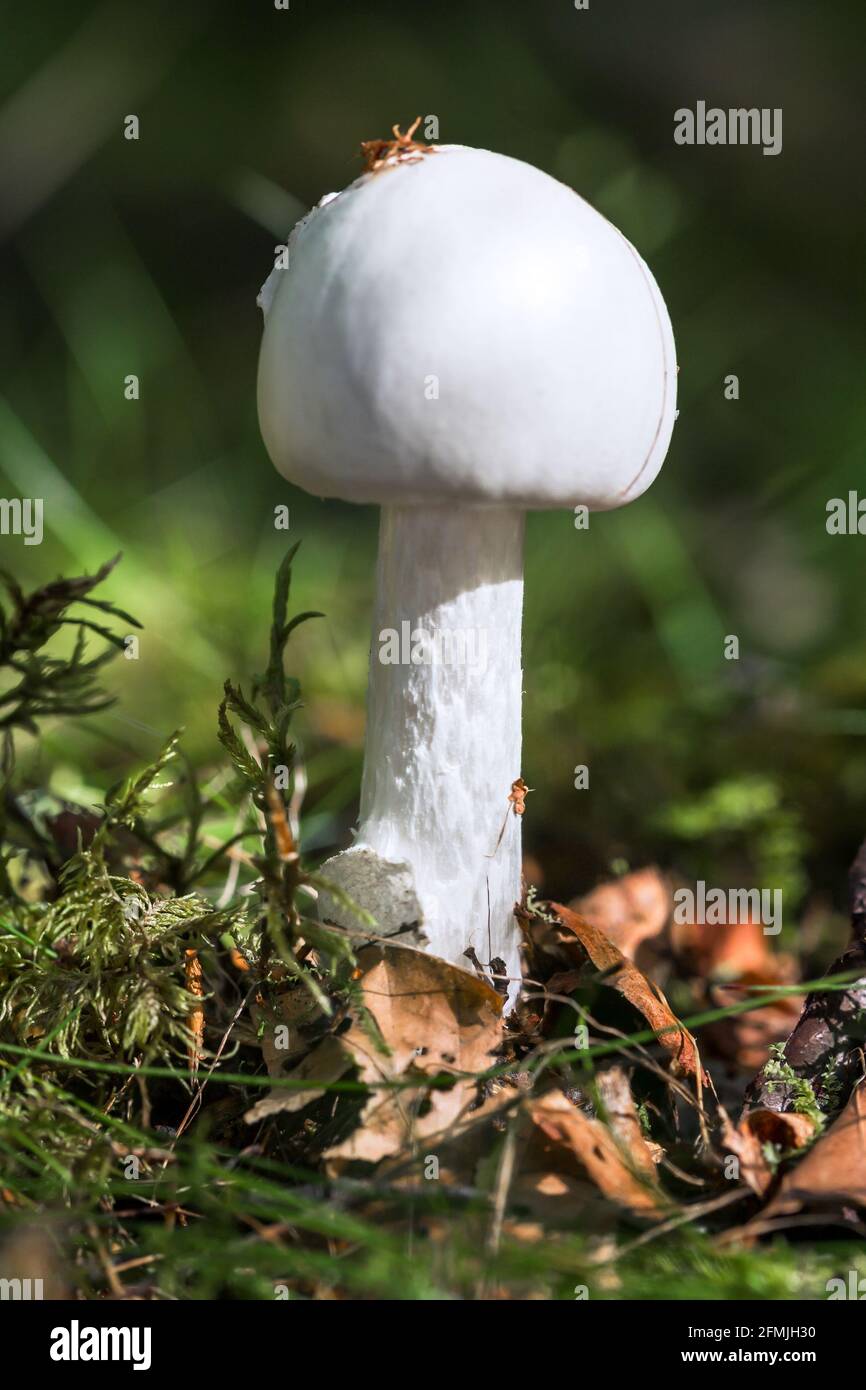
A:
(145, 257)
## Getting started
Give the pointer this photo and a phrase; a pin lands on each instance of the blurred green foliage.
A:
(145, 257)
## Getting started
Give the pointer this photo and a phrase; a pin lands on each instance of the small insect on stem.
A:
(517, 800)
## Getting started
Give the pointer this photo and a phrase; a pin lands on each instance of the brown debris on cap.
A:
(379, 154)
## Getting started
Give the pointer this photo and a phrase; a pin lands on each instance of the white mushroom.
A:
(457, 338)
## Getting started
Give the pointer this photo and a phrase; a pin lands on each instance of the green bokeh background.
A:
(145, 257)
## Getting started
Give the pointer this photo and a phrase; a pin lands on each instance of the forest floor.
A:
(206, 1093)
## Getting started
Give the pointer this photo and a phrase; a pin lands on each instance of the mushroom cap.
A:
(461, 326)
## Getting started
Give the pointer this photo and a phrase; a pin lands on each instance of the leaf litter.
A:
(589, 1108)
(592, 1141)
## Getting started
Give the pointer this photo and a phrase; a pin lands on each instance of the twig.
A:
(193, 974)
(692, 1213)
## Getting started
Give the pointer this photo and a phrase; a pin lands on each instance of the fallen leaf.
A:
(435, 1018)
(621, 1115)
(747, 1138)
(588, 1147)
(577, 939)
(728, 950)
(328, 1061)
(288, 1027)
(745, 1039)
(833, 1172)
(789, 1130)
(419, 1018)
(628, 910)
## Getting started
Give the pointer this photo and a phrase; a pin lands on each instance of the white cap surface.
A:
(463, 327)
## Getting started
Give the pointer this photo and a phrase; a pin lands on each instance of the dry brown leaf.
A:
(566, 1136)
(628, 910)
(747, 1138)
(394, 1124)
(433, 1018)
(729, 949)
(459, 1147)
(299, 1014)
(746, 1147)
(787, 1129)
(833, 1172)
(736, 955)
(744, 1039)
(621, 1115)
(327, 1062)
(577, 937)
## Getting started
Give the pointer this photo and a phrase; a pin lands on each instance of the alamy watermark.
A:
(854, 1288)
(21, 1290)
(718, 907)
(419, 646)
(846, 516)
(77, 1343)
(22, 516)
(736, 126)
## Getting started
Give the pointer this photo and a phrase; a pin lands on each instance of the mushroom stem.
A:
(439, 844)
